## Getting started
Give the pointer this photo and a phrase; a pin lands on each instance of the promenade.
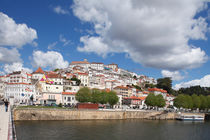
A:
(4, 121)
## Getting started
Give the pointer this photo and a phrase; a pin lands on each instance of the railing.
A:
(11, 127)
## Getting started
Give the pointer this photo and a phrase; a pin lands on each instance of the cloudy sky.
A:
(156, 38)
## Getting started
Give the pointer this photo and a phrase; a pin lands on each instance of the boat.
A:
(191, 118)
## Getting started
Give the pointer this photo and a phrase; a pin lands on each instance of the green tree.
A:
(83, 95)
(112, 98)
(150, 100)
(179, 101)
(95, 96)
(55, 70)
(165, 83)
(160, 102)
(196, 101)
(189, 102)
(103, 98)
(195, 89)
(77, 80)
(204, 102)
(208, 101)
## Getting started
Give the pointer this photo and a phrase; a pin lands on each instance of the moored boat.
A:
(191, 118)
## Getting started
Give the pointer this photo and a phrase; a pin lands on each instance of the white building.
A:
(119, 103)
(113, 66)
(84, 78)
(2, 88)
(97, 66)
(68, 98)
(85, 64)
(22, 92)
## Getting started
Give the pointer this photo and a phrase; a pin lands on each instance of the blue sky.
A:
(77, 30)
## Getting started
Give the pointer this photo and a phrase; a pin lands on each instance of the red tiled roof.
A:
(28, 74)
(112, 81)
(121, 87)
(112, 64)
(80, 62)
(145, 92)
(142, 98)
(100, 75)
(157, 89)
(69, 93)
(80, 73)
(39, 70)
(53, 75)
(97, 63)
(18, 84)
(133, 98)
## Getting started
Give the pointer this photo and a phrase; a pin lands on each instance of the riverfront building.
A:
(60, 86)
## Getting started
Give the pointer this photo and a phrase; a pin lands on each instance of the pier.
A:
(7, 131)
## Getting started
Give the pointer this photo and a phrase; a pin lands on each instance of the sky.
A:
(156, 38)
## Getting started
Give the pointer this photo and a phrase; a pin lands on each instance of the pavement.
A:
(4, 121)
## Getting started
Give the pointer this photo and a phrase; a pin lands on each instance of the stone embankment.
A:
(66, 114)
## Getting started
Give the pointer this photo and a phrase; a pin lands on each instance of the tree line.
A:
(85, 95)
(166, 84)
(192, 102)
(155, 101)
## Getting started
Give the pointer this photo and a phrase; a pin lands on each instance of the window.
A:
(56, 87)
(69, 98)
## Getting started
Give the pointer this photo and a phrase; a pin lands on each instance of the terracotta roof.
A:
(107, 90)
(53, 75)
(69, 93)
(112, 64)
(18, 84)
(97, 63)
(100, 75)
(39, 70)
(133, 98)
(80, 62)
(145, 92)
(80, 73)
(112, 81)
(142, 98)
(157, 89)
(28, 74)
(121, 87)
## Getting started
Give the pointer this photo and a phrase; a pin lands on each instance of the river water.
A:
(112, 130)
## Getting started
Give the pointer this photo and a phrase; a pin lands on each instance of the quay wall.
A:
(66, 114)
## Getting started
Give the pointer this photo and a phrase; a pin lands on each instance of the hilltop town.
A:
(61, 85)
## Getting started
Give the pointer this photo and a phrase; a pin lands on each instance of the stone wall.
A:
(65, 114)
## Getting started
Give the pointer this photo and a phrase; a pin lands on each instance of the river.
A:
(112, 130)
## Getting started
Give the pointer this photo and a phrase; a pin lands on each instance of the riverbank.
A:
(21, 114)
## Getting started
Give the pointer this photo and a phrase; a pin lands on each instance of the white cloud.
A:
(17, 66)
(51, 46)
(15, 35)
(49, 59)
(64, 40)
(60, 10)
(9, 55)
(203, 82)
(175, 75)
(93, 44)
(154, 33)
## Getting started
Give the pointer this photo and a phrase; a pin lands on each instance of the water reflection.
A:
(113, 130)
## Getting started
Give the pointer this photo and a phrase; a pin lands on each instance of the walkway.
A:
(4, 121)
